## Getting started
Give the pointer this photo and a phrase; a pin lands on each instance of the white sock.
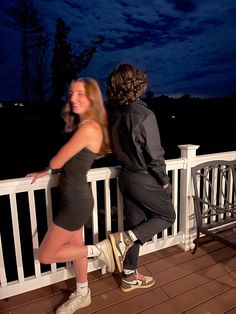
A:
(132, 235)
(128, 271)
(93, 251)
(82, 288)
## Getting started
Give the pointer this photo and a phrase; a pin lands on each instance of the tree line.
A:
(65, 63)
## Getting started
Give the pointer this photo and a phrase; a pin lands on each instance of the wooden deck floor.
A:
(204, 283)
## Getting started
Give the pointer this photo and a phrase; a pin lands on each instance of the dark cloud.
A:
(124, 4)
(185, 46)
(212, 22)
(185, 6)
(142, 32)
(166, 29)
(74, 5)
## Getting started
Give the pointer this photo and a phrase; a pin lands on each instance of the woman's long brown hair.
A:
(96, 112)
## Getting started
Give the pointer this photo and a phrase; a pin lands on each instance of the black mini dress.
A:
(76, 199)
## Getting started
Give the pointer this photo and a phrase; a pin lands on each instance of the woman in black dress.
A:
(86, 120)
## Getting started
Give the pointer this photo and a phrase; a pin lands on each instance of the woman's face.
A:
(78, 99)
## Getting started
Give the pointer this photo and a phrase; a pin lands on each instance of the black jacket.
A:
(136, 140)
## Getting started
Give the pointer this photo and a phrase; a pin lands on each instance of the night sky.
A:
(185, 46)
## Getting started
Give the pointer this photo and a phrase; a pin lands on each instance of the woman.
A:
(86, 120)
(143, 180)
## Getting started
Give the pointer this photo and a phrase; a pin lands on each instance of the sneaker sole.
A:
(117, 258)
(110, 253)
(137, 287)
(58, 311)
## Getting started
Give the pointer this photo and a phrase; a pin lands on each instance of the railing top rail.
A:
(231, 155)
(97, 174)
(178, 163)
(24, 184)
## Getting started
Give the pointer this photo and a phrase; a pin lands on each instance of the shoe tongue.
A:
(72, 295)
(139, 276)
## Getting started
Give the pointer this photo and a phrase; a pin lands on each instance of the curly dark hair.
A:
(125, 84)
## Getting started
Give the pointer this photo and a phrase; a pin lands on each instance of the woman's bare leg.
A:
(80, 264)
(60, 245)
(57, 246)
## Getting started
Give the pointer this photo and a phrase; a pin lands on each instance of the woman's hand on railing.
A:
(37, 175)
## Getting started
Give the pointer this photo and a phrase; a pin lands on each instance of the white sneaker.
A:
(136, 281)
(106, 254)
(75, 302)
(121, 243)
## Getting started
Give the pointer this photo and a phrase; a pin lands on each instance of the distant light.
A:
(173, 117)
(18, 104)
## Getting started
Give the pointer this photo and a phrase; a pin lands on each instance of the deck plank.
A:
(225, 303)
(194, 297)
(232, 311)
(136, 303)
(24, 299)
(185, 284)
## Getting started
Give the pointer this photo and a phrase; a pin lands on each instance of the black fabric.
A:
(76, 200)
(148, 210)
(148, 207)
(136, 140)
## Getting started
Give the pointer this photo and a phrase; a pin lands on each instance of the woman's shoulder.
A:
(89, 129)
(89, 125)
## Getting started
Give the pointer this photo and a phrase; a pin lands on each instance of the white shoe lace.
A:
(70, 303)
(74, 302)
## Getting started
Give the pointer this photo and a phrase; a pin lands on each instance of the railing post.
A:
(186, 201)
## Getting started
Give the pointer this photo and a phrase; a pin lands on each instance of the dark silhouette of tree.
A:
(66, 65)
(186, 97)
(83, 59)
(149, 94)
(39, 48)
(233, 94)
(34, 43)
(61, 65)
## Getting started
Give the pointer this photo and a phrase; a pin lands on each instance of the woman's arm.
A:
(88, 135)
(79, 140)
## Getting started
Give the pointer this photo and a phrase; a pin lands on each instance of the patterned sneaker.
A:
(106, 254)
(136, 281)
(120, 242)
(75, 302)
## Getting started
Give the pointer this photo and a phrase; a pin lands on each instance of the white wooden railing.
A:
(27, 209)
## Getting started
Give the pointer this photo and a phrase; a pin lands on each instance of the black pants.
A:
(148, 210)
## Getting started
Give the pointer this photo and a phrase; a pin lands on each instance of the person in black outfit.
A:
(143, 180)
